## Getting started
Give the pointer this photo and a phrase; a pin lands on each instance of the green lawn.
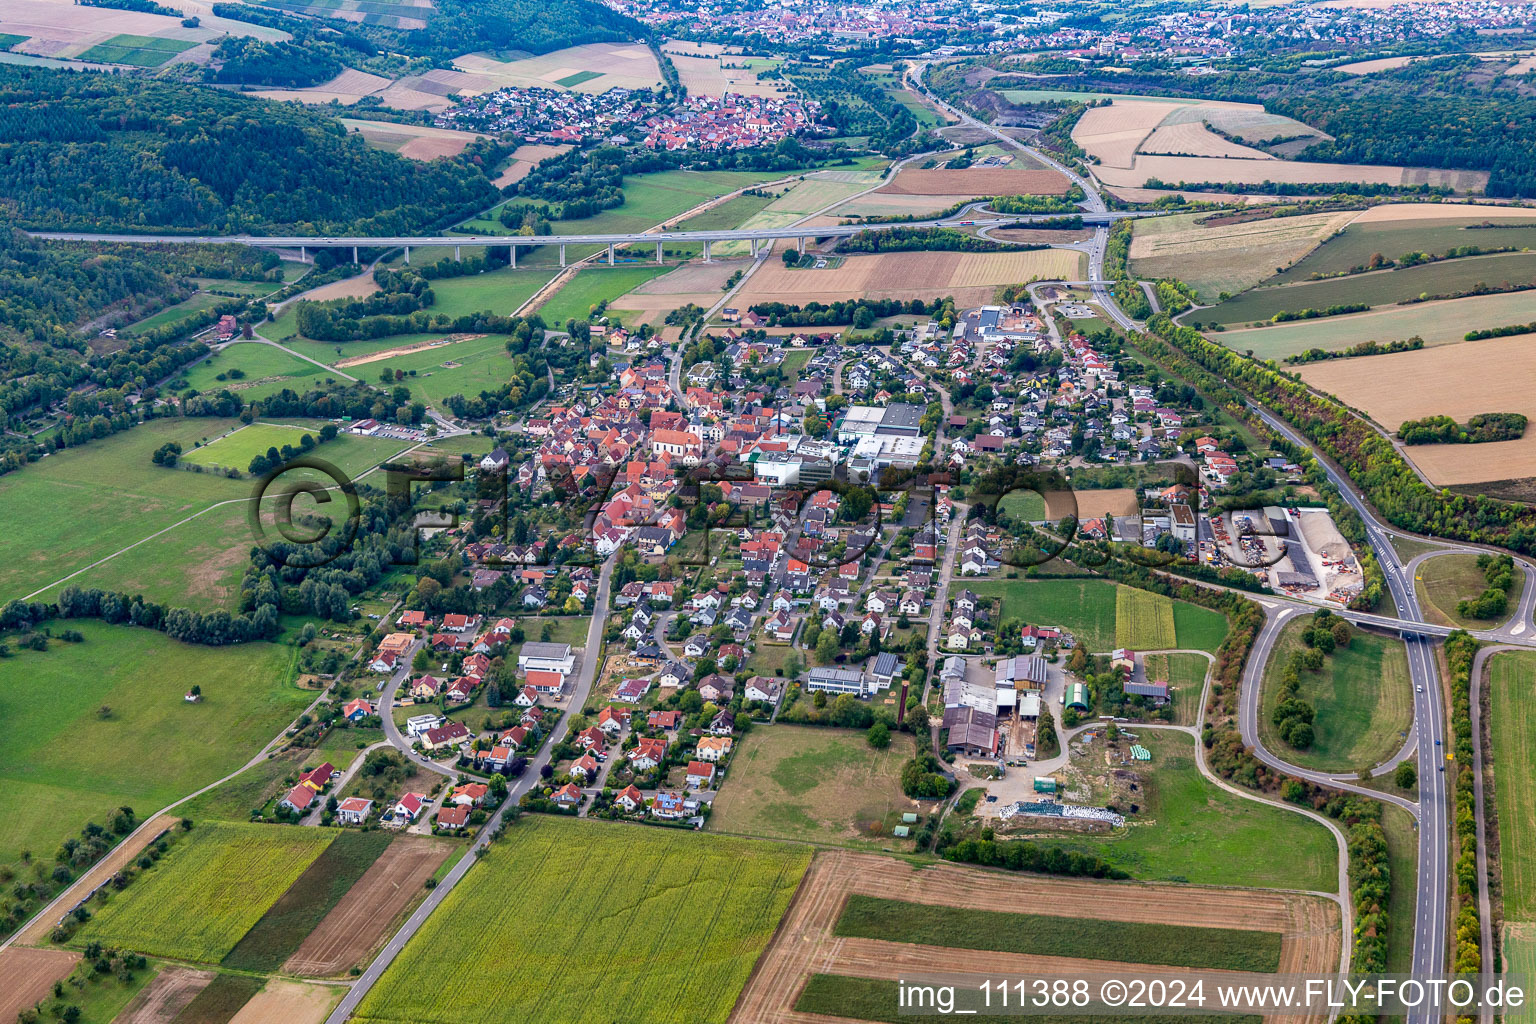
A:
(668, 920)
(1512, 697)
(575, 299)
(215, 883)
(350, 453)
(1190, 831)
(464, 367)
(266, 370)
(139, 51)
(180, 311)
(1166, 944)
(1445, 580)
(65, 763)
(571, 81)
(1403, 852)
(1363, 697)
(1086, 607)
(84, 503)
(814, 784)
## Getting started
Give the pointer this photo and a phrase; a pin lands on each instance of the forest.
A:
(89, 151)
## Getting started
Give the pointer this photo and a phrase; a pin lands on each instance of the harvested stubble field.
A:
(697, 283)
(524, 159)
(805, 943)
(361, 921)
(1434, 230)
(1459, 381)
(1381, 287)
(708, 76)
(346, 88)
(971, 278)
(1175, 169)
(164, 997)
(415, 141)
(1226, 257)
(667, 920)
(617, 65)
(208, 891)
(61, 28)
(1192, 138)
(1438, 323)
(30, 974)
(289, 1002)
(977, 181)
(1143, 620)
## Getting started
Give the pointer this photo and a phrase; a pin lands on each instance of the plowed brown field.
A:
(288, 1002)
(162, 999)
(359, 923)
(804, 943)
(29, 975)
(971, 277)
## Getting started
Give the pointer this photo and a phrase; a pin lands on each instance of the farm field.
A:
(1513, 727)
(1167, 944)
(414, 141)
(1087, 608)
(362, 918)
(138, 51)
(289, 1002)
(1519, 950)
(216, 882)
(57, 28)
(1379, 288)
(351, 453)
(220, 1000)
(1192, 831)
(1143, 620)
(716, 75)
(1438, 323)
(1470, 377)
(1396, 230)
(502, 291)
(1445, 580)
(79, 505)
(346, 88)
(67, 764)
(1186, 673)
(30, 975)
(815, 784)
(1227, 257)
(1172, 170)
(1363, 698)
(575, 298)
(806, 944)
(289, 921)
(474, 364)
(165, 996)
(698, 283)
(524, 159)
(977, 181)
(972, 278)
(266, 371)
(734, 891)
(1403, 854)
(607, 66)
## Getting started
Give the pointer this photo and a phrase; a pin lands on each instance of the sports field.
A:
(1379, 288)
(1446, 580)
(1088, 607)
(1468, 378)
(1191, 831)
(1512, 693)
(816, 785)
(1143, 620)
(1438, 323)
(67, 763)
(1363, 699)
(208, 892)
(669, 920)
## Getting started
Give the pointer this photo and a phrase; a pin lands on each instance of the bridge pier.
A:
(800, 245)
(658, 252)
(303, 254)
(706, 250)
(562, 255)
(512, 249)
(456, 257)
(354, 255)
(610, 254)
(407, 254)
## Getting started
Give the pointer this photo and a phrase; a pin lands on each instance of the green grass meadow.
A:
(139, 51)
(1363, 697)
(664, 919)
(1512, 697)
(575, 299)
(178, 312)
(1443, 581)
(267, 370)
(1190, 831)
(350, 453)
(66, 763)
(200, 899)
(1357, 243)
(1088, 608)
